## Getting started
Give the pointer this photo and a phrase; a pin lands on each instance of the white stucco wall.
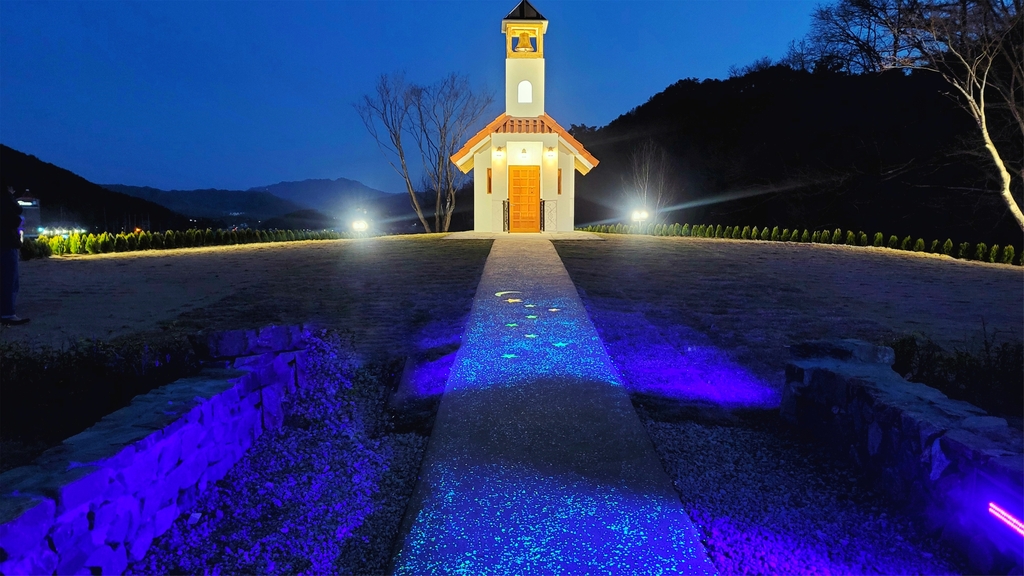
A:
(517, 70)
(482, 218)
(567, 201)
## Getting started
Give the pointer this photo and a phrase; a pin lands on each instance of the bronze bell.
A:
(524, 43)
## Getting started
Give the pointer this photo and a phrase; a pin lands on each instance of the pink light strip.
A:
(1007, 518)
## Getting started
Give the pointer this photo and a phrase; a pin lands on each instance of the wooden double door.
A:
(524, 198)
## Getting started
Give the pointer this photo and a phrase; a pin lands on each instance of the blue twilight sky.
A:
(233, 94)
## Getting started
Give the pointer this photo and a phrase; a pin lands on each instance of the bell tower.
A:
(524, 29)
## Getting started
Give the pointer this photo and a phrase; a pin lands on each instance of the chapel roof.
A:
(524, 11)
(543, 124)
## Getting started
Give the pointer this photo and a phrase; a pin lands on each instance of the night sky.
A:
(240, 94)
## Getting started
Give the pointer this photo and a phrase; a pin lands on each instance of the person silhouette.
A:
(10, 253)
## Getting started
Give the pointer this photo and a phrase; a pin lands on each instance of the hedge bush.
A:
(981, 252)
(1008, 255)
(105, 242)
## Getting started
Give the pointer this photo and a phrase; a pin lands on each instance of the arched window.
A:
(525, 92)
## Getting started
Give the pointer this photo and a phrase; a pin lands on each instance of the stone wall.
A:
(944, 459)
(99, 499)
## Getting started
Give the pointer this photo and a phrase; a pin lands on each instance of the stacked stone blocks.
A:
(97, 500)
(943, 459)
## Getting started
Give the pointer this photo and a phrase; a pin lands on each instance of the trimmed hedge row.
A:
(104, 242)
(964, 251)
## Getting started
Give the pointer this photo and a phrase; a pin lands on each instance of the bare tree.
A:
(651, 188)
(975, 45)
(386, 116)
(438, 119)
(445, 114)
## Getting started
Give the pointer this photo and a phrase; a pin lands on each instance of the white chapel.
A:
(524, 163)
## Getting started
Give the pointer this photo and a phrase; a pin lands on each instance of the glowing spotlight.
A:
(513, 300)
(360, 226)
(1007, 518)
(500, 294)
(550, 153)
(639, 216)
(499, 152)
(553, 309)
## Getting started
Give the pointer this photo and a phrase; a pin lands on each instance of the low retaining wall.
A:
(100, 498)
(944, 459)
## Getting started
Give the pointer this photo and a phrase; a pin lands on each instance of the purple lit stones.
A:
(1006, 517)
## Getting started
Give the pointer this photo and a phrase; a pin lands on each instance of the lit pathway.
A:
(537, 463)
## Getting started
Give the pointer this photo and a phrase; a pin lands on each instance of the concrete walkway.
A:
(538, 463)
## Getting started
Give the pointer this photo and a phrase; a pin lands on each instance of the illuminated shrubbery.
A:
(980, 252)
(963, 251)
(105, 242)
(1008, 255)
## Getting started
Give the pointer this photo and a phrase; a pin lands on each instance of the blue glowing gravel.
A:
(538, 462)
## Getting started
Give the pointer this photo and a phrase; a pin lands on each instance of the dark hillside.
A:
(228, 205)
(67, 199)
(882, 152)
(338, 197)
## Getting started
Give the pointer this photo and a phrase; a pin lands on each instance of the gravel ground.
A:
(769, 503)
(324, 495)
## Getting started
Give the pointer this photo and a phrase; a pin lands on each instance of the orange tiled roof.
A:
(543, 124)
